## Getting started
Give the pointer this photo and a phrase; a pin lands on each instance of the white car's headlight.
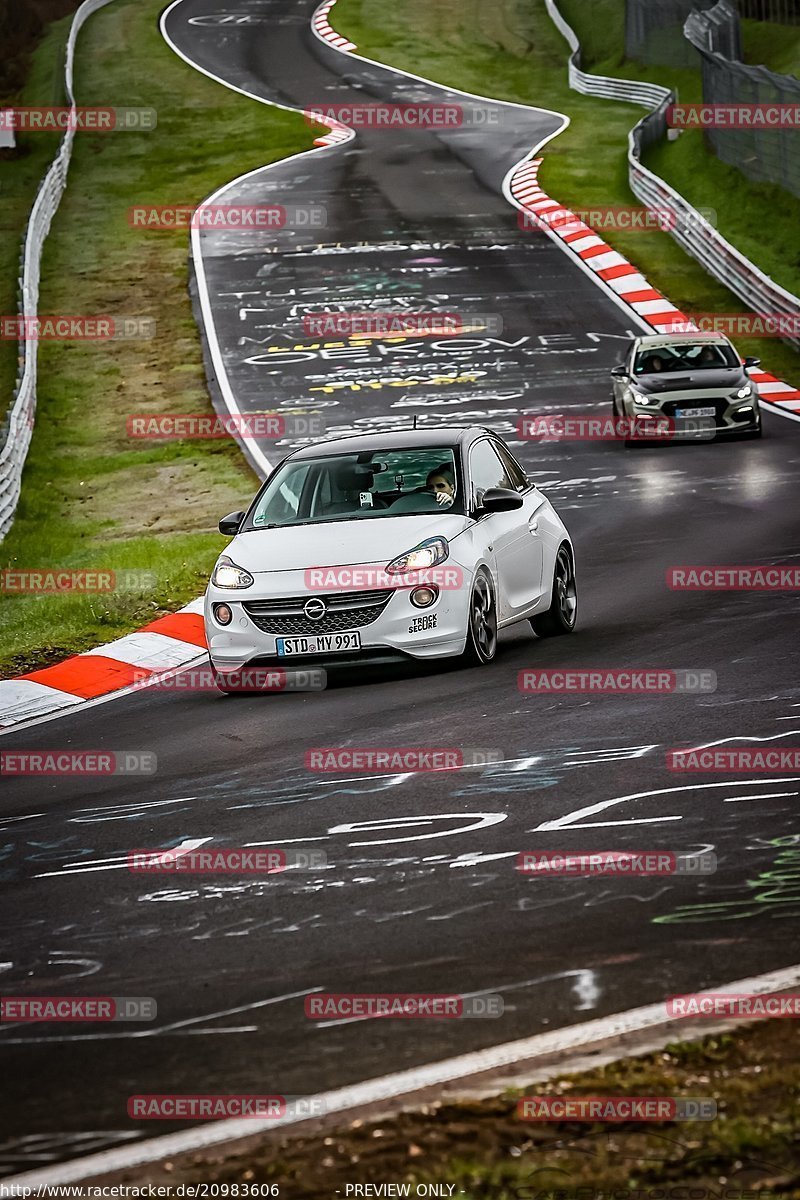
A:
(427, 554)
(228, 575)
(744, 392)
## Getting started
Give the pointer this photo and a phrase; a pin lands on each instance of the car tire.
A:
(481, 644)
(562, 614)
(632, 443)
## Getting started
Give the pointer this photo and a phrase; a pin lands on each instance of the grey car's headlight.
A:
(744, 392)
(640, 398)
(228, 575)
(427, 554)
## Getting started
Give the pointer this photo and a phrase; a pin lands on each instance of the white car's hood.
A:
(339, 543)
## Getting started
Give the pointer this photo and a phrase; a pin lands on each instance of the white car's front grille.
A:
(344, 610)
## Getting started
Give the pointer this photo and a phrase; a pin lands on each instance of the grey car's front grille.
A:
(718, 403)
(345, 610)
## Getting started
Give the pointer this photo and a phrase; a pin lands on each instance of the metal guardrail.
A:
(17, 429)
(632, 92)
(690, 229)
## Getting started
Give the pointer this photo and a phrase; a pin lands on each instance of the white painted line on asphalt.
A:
(122, 862)
(250, 448)
(575, 819)
(257, 456)
(520, 167)
(391, 1087)
(189, 1025)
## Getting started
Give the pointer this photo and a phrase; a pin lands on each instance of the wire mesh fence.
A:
(691, 230)
(783, 12)
(654, 31)
(717, 29)
(758, 143)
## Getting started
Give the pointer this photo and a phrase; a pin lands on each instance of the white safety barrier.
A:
(690, 229)
(17, 430)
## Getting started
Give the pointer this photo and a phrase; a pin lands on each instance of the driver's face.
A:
(439, 483)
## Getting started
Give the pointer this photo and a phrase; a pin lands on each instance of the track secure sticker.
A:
(421, 623)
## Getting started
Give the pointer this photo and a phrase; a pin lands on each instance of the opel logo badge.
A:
(315, 608)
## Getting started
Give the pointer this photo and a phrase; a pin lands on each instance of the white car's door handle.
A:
(533, 525)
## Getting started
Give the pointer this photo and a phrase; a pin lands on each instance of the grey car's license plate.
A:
(707, 411)
(323, 643)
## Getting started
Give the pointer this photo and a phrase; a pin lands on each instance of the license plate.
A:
(323, 643)
(696, 412)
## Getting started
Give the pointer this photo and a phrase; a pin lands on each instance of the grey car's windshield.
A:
(368, 485)
(685, 356)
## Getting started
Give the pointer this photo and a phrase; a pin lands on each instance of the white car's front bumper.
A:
(399, 628)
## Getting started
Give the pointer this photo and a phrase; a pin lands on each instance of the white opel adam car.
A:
(368, 549)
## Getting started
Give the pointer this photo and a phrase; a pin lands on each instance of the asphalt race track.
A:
(420, 892)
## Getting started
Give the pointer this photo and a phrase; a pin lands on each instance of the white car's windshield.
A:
(687, 356)
(354, 486)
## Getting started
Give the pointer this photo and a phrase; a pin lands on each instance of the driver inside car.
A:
(441, 482)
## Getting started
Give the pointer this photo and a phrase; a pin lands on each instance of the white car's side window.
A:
(517, 479)
(485, 470)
